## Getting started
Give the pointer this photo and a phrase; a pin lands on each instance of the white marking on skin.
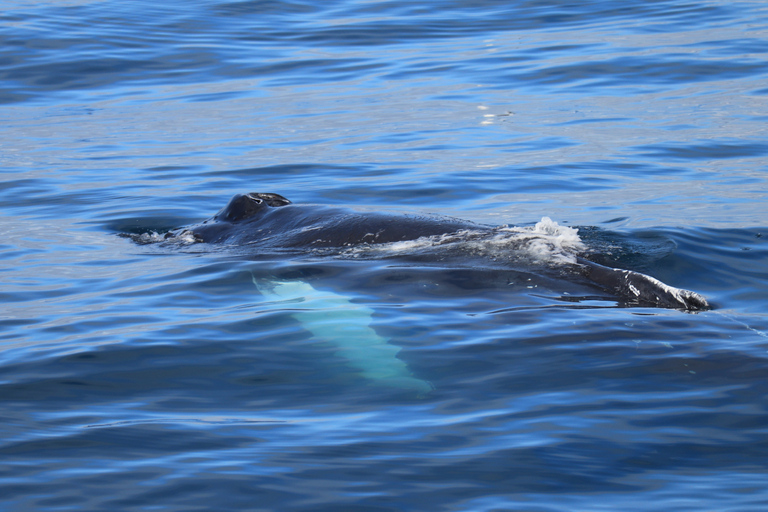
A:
(334, 319)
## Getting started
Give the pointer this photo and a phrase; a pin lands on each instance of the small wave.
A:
(188, 421)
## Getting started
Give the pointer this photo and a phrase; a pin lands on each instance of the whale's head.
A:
(246, 206)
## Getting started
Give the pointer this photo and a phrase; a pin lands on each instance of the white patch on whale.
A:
(334, 319)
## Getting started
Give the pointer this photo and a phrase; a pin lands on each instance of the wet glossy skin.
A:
(257, 218)
(260, 220)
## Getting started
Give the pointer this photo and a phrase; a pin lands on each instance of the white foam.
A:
(186, 237)
(153, 237)
(147, 238)
(546, 243)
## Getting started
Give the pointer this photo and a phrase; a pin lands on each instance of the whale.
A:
(270, 223)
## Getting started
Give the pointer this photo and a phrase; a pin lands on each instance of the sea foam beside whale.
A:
(545, 243)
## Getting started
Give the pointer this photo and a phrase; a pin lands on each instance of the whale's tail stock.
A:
(641, 289)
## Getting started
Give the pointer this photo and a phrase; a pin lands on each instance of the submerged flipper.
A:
(334, 319)
(642, 289)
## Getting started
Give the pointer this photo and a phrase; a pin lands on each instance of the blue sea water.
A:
(158, 377)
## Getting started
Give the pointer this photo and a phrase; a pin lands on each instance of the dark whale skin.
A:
(270, 220)
(259, 218)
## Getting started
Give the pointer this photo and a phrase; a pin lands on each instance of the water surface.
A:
(151, 377)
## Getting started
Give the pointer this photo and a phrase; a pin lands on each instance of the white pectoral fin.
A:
(334, 319)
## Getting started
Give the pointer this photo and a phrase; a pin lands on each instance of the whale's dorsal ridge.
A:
(273, 200)
(245, 206)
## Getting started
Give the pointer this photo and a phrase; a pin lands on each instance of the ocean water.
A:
(180, 377)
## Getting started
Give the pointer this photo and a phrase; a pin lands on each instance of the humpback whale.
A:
(269, 225)
(266, 222)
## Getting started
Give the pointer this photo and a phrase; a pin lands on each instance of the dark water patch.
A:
(27, 194)
(219, 96)
(271, 7)
(734, 47)
(654, 70)
(274, 172)
(711, 150)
